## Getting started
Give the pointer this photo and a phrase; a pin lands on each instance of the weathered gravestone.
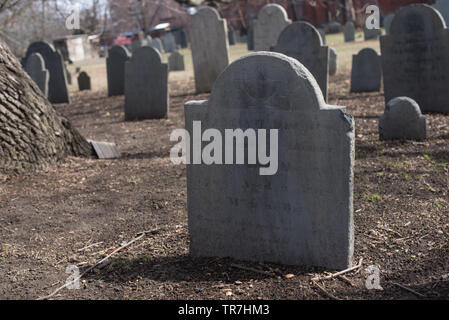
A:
(303, 213)
(209, 44)
(300, 40)
(387, 22)
(334, 27)
(271, 20)
(156, 43)
(443, 8)
(349, 31)
(370, 34)
(84, 81)
(176, 62)
(180, 36)
(366, 71)
(35, 67)
(333, 57)
(57, 86)
(146, 85)
(415, 58)
(402, 120)
(169, 42)
(115, 65)
(231, 35)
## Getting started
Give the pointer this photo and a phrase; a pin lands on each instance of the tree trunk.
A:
(32, 134)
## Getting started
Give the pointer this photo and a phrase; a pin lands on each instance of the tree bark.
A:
(32, 134)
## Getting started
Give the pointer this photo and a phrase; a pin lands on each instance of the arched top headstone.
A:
(206, 14)
(147, 53)
(118, 51)
(417, 18)
(368, 53)
(310, 36)
(266, 79)
(35, 62)
(273, 10)
(42, 47)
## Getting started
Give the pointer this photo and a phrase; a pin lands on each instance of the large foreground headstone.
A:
(349, 31)
(146, 85)
(115, 65)
(57, 87)
(271, 20)
(300, 40)
(176, 62)
(302, 214)
(35, 67)
(209, 43)
(415, 58)
(402, 119)
(84, 81)
(366, 71)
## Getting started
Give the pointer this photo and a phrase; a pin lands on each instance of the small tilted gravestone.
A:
(115, 67)
(302, 41)
(349, 31)
(84, 81)
(333, 57)
(146, 85)
(35, 67)
(402, 120)
(271, 20)
(176, 62)
(210, 48)
(415, 58)
(366, 71)
(370, 34)
(387, 22)
(302, 214)
(58, 91)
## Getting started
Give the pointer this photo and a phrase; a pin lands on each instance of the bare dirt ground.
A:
(81, 210)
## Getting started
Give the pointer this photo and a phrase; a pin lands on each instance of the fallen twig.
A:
(340, 272)
(330, 295)
(409, 290)
(267, 273)
(90, 246)
(140, 236)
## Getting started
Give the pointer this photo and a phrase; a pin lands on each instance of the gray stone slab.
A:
(231, 36)
(169, 42)
(366, 71)
(146, 85)
(105, 150)
(302, 41)
(176, 62)
(402, 120)
(349, 31)
(334, 27)
(210, 48)
(57, 88)
(250, 39)
(387, 22)
(84, 81)
(271, 20)
(115, 65)
(333, 61)
(371, 34)
(35, 67)
(415, 58)
(303, 214)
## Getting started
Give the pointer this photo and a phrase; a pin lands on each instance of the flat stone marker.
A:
(349, 31)
(209, 44)
(271, 20)
(443, 8)
(84, 81)
(302, 214)
(146, 85)
(402, 120)
(57, 87)
(105, 150)
(302, 41)
(387, 22)
(176, 62)
(35, 67)
(333, 57)
(366, 71)
(415, 58)
(115, 65)
(370, 34)
(169, 42)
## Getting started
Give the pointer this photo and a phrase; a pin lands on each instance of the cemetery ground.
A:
(80, 211)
